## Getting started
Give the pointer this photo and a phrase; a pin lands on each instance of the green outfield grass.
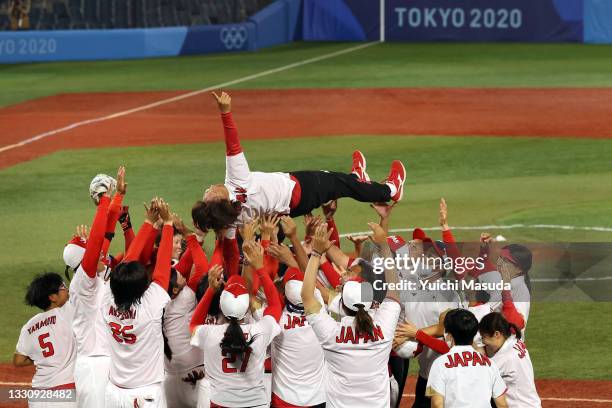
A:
(386, 65)
(486, 181)
(490, 181)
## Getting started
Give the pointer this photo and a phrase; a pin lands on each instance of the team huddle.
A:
(270, 318)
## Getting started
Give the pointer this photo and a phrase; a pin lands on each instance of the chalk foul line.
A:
(185, 95)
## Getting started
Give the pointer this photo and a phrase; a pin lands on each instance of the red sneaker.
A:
(397, 176)
(359, 167)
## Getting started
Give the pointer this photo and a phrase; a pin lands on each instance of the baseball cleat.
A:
(397, 176)
(359, 166)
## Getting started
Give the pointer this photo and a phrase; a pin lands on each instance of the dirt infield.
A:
(304, 112)
(299, 113)
(554, 393)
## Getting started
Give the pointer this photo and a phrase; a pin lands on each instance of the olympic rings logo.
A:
(234, 37)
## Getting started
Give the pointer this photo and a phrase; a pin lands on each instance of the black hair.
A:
(172, 283)
(167, 349)
(233, 340)
(363, 321)
(367, 274)
(523, 258)
(128, 282)
(41, 287)
(497, 322)
(215, 307)
(215, 215)
(462, 325)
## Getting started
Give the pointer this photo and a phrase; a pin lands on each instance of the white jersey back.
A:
(176, 328)
(236, 381)
(520, 293)
(259, 193)
(48, 341)
(297, 362)
(465, 378)
(480, 311)
(423, 308)
(135, 336)
(90, 329)
(356, 364)
(516, 370)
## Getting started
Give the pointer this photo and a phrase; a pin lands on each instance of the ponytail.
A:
(167, 349)
(497, 322)
(363, 321)
(233, 340)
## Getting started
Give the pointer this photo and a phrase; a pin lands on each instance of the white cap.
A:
(73, 255)
(235, 298)
(357, 293)
(293, 291)
(101, 184)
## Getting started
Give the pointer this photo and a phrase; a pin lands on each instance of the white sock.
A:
(392, 188)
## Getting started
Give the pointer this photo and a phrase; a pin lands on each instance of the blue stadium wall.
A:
(285, 21)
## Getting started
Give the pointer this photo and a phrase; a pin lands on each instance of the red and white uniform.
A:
(465, 378)
(259, 193)
(480, 311)
(87, 290)
(48, 341)
(516, 370)
(513, 304)
(135, 335)
(356, 373)
(297, 363)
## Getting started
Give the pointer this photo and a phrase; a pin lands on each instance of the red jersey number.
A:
(46, 346)
(520, 347)
(120, 333)
(230, 358)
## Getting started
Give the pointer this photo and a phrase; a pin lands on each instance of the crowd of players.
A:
(270, 318)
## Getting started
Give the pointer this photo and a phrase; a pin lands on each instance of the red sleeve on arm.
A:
(331, 275)
(232, 143)
(488, 265)
(137, 246)
(186, 262)
(201, 311)
(274, 305)
(149, 247)
(452, 250)
(437, 345)
(200, 261)
(161, 273)
(113, 216)
(217, 256)
(96, 239)
(270, 262)
(129, 236)
(509, 310)
(231, 255)
(335, 235)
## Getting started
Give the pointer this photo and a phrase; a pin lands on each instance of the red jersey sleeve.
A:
(95, 239)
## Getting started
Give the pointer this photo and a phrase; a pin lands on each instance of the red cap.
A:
(236, 285)
(395, 242)
(420, 235)
(293, 273)
(505, 253)
(76, 240)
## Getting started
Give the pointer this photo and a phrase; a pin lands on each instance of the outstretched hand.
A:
(383, 209)
(224, 101)
(443, 215)
(121, 184)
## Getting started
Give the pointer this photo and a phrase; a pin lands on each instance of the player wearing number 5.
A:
(234, 352)
(46, 340)
(133, 311)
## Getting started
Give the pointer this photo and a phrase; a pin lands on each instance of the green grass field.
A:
(485, 181)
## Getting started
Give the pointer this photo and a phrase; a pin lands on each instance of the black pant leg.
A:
(420, 400)
(399, 369)
(319, 187)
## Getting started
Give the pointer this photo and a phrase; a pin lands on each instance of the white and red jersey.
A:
(297, 362)
(236, 381)
(465, 378)
(90, 329)
(48, 341)
(509, 303)
(356, 364)
(177, 316)
(259, 193)
(516, 370)
(423, 308)
(136, 340)
(480, 311)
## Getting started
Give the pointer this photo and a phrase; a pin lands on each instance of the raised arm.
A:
(161, 273)
(254, 254)
(96, 238)
(290, 230)
(321, 244)
(379, 237)
(114, 211)
(215, 279)
(151, 215)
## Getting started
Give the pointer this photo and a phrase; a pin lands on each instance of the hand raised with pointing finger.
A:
(224, 101)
